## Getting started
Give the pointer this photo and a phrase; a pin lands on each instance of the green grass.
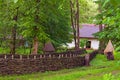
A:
(23, 51)
(100, 69)
(18, 51)
(89, 51)
(4, 50)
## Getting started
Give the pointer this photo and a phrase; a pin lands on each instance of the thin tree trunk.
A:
(30, 49)
(35, 39)
(74, 6)
(100, 27)
(75, 24)
(73, 21)
(102, 43)
(35, 46)
(77, 18)
(13, 42)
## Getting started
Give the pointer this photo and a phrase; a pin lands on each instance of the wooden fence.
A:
(22, 64)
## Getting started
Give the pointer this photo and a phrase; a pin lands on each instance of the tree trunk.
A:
(74, 6)
(35, 39)
(13, 42)
(30, 49)
(13, 37)
(102, 43)
(72, 21)
(77, 19)
(35, 46)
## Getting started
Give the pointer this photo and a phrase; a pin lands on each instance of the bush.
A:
(108, 77)
(83, 42)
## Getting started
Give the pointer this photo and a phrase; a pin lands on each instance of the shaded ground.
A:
(100, 69)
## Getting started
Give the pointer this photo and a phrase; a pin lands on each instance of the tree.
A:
(86, 12)
(74, 5)
(57, 24)
(46, 21)
(9, 17)
(110, 18)
(39, 21)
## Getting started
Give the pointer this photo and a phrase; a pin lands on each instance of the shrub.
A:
(108, 77)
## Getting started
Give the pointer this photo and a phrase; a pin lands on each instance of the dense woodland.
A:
(37, 22)
(40, 21)
(109, 14)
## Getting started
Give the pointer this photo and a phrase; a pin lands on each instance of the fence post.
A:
(34, 57)
(87, 59)
(12, 56)
(5, 57)
(40, 56)
(20, 57)
(59, 56)
(66, 55)
(44, 56)
(70, 55)
(62, 55)
(27, 56)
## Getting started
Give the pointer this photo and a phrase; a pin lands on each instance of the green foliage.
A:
(61, 49)
(83, 42)
(109, 16)
(23, 51)
(108, 77)
(30, 24)
(58, 26)
(118, 48)
(47, 20)
(15, 1)
(88, 10)
(4, 50)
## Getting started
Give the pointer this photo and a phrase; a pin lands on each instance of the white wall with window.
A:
(94, 43)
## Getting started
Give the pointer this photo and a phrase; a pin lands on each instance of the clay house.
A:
(87, 32)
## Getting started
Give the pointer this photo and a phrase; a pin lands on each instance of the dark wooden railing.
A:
(22, 64)
(39, 56)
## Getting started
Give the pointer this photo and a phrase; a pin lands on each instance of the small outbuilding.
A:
(48, 48)
(109, 51)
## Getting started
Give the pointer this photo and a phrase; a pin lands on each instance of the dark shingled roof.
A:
(48, 47)
(87, 30)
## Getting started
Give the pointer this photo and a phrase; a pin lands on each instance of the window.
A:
(88, 44)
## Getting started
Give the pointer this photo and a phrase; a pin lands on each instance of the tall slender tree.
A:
(101, 44)
(13, 41)
(35, 29)
(9, 12)
(74, 5)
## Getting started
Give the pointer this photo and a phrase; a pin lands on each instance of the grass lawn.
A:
(18, 51)
(100, 69)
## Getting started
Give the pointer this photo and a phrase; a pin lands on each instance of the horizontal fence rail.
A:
(39, 56)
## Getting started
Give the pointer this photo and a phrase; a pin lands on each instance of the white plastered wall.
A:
(94, 43)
